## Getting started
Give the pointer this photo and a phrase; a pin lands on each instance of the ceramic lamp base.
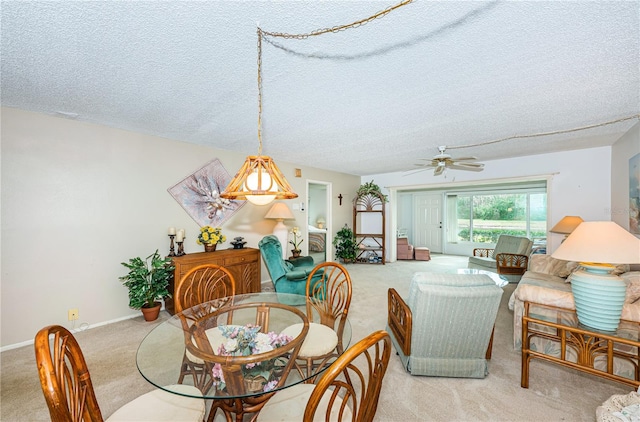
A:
(281, 232)
(599, 297)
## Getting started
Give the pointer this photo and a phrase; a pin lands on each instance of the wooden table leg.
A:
(526, 358)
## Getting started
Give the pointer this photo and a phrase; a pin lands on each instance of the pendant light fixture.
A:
(259, 180)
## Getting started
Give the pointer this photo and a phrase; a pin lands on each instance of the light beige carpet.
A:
(555, 394)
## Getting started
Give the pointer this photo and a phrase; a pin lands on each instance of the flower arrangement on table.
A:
(210, 236)
(248, 340)
(295, 242)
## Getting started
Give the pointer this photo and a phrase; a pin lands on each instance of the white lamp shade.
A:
(567, 225)
(600, 242)
(280, 211)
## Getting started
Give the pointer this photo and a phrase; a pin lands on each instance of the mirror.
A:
(319, 220)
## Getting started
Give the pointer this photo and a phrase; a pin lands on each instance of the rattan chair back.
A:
(64, 377)
(356, 377)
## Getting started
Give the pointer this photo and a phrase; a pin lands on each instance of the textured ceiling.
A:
(367, 100)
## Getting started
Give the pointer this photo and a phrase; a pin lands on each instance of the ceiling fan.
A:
(443, 161)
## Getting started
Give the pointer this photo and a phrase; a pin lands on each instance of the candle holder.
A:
(180, 248)
(171, 248)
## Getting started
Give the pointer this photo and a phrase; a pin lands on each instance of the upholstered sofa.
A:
(547, 281)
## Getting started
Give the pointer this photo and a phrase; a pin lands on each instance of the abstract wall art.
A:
(199, 195)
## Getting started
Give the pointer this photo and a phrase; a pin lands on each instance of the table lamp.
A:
(280, 212)
(598, 294)
(567, 225)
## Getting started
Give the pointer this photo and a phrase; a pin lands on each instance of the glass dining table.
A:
(235, 344)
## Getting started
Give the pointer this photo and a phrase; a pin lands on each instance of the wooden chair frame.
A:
(198, 344)
(328, 301)
(483, 252)
(360, 385)
(400, 321)
(511, 264)
(201, 290)
(64, 377)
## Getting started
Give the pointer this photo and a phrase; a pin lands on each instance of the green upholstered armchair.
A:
(445, 327)
(287, 276)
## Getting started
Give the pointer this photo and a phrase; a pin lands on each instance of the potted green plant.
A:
(148, 281)
(346, 246)
(369, 188)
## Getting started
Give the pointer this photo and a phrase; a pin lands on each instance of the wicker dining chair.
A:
(328, 299)
(347, 391)
(68, 391)
(201, 290)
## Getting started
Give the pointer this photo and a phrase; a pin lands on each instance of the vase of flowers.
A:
(210, 237)
(249, 340)
(297, 240)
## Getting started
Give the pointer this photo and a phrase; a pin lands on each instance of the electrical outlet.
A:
(73, 314)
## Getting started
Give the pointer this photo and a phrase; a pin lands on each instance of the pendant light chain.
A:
(259, 180)
(339, 27)
(259, 90)
(262, 33)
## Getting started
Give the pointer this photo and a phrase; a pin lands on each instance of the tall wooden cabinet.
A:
(369, 228)
(243, 264)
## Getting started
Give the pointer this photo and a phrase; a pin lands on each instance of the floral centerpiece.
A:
(210, 237)
(297, 240)
(248, 340)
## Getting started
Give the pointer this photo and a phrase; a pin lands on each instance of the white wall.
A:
(581, 182)
(625, 148)
(78, 199)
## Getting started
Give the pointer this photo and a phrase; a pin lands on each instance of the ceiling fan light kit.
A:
(443, 161)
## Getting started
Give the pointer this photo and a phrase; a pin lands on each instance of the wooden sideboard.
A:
(243, 264)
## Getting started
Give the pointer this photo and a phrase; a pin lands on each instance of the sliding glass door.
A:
(483, 217)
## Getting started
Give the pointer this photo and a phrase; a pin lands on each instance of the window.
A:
(482, 217)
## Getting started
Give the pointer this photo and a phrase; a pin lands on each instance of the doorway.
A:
(428, 221)
(319, 221)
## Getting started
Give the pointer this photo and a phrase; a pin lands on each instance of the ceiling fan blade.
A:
(465, 159)
(468, 168)
(410, 172)
(455, 163)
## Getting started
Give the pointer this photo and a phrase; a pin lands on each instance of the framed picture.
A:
(199, 195)
(634, 194)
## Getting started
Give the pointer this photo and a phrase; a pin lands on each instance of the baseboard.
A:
(82, 327)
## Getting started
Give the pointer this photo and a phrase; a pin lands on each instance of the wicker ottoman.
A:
(422, 253)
